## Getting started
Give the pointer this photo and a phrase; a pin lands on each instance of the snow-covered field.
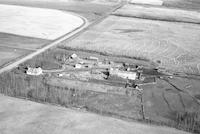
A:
(37, 22)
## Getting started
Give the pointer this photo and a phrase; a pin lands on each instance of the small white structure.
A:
(94, 58)
(81, 62)
(123, 74)
(60, 75)
(149, 2)
(73, 56)
(78, 66)
(34, 71)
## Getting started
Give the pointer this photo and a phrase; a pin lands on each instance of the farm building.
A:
(93, 58)
(34, 71)
(123, 74)
(78, 66)
(73, 56)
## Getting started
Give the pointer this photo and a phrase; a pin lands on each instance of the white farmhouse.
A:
(34, 71)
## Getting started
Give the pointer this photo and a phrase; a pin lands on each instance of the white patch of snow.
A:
(37, 22)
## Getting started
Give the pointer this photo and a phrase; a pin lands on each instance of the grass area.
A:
(23, 42)
(113, 105)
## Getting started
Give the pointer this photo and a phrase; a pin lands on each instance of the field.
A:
(23, 117)
(9, 54)
(37, 22)
(91, 9)
(21, 42)
(159, 13)
(174, 44)
(183, 4)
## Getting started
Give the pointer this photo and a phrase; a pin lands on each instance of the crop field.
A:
(22, 117)
(174, 44)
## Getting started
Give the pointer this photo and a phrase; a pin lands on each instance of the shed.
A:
(78, 66)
